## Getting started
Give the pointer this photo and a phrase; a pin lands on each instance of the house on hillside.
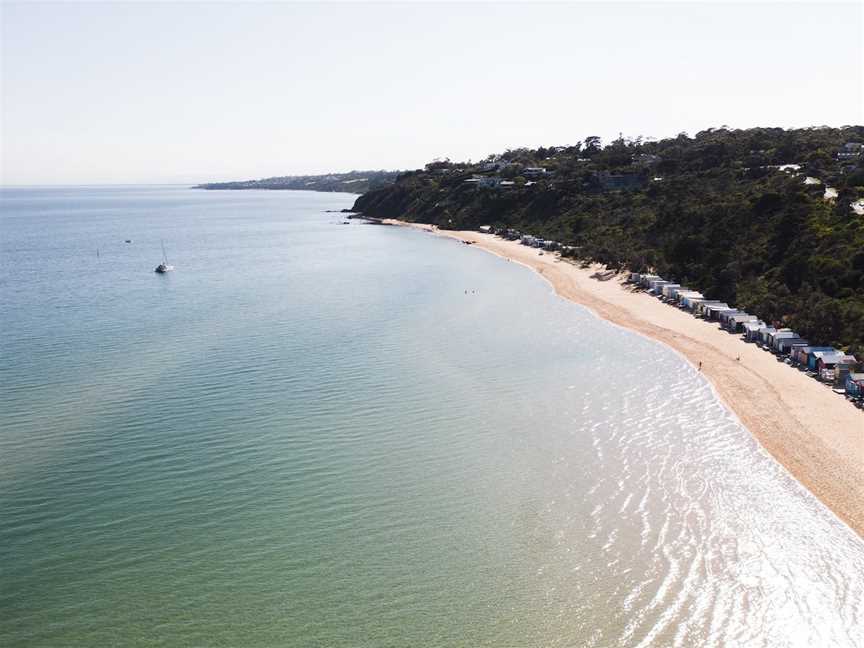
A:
(492, 167)
(488, 182)
(534, 172)
(620, 181)
(850, 151)
(645, 159)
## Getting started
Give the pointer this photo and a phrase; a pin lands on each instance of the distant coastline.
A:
(356, 182)
(809, 430)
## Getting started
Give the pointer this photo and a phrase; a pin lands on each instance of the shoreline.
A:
(812, 432)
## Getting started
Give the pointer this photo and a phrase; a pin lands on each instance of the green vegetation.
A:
(351, 182)
(717, 212)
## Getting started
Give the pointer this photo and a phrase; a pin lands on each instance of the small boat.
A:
(128, 240)
(164, 267)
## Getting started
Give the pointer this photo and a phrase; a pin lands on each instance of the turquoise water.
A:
(317, 434)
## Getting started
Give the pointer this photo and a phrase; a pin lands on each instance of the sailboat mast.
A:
(164, 256)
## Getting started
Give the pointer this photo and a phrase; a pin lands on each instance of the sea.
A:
(326, 433)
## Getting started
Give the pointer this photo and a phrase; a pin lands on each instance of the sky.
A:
(186, 92)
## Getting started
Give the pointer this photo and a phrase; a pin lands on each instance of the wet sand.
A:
(816, 434)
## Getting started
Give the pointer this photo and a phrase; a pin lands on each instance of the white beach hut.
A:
(668, 291)
(751, 330)
(686, 299)
(779, 335)
(710, 311)
(656, 285)
(646, 279)
(736, 323)
(765, 333)
(703, 304)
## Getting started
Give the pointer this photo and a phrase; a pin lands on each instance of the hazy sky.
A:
(180, 92)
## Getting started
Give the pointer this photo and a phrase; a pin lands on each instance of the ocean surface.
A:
(319, 434)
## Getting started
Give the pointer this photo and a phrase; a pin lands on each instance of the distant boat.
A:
(164, 267)
(128, 240)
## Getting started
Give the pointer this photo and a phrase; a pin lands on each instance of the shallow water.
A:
(316, 434)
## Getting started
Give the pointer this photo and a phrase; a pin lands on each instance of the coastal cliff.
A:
(766, 218)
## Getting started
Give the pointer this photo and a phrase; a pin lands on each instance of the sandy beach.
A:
(816, 434)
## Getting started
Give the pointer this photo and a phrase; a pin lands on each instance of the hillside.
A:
(765, 218)
(352, 182)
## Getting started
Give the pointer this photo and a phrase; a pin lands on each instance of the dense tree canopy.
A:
(350, 182)
(719, 211)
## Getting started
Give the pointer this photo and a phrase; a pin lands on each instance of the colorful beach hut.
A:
(855, 385)
(785, 345)
(816, 355)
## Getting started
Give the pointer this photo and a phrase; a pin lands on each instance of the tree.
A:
(592, 146)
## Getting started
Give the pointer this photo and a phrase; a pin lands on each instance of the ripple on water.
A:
(347, 449)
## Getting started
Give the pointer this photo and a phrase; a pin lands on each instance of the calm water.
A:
(316, 434)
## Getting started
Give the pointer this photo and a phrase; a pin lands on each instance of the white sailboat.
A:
(164, 267)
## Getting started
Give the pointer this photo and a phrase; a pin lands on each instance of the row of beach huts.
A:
(526, 239)
(843, 372)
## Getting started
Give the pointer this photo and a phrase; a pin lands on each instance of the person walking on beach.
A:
(700, 365)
